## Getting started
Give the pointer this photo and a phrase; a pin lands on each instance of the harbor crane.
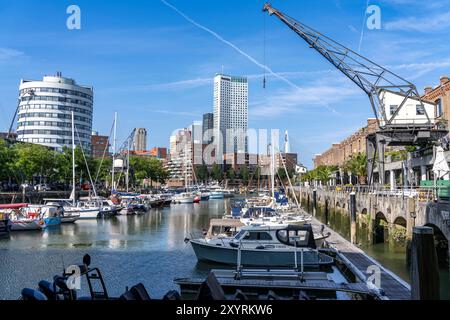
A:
(403, 118)
(122, 157)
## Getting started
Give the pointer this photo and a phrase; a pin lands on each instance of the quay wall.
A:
(397, 214)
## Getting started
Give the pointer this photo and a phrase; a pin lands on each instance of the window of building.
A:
(392, 109)
(420, 110)
(439, 108)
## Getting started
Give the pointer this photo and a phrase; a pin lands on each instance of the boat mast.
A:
(73, 160)
(272, 162)
(128, 164)
(114, 152)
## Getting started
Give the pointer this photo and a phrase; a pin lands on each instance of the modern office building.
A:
(180, 162)
(45, 108)
(99, 145)
(196, 129)
(230, 113)
(140, 139)
(208, 127)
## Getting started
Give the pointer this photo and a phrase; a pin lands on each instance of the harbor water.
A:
(148, 248)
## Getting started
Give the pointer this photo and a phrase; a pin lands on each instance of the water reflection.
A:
(146, 248)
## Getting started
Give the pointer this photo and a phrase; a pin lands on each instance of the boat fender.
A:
(186, 240)
(47, 289)
(33, 295)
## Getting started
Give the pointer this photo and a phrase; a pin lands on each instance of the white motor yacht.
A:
(185, 197)
(265, 246)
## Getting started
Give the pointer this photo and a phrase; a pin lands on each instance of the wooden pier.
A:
(393, 287)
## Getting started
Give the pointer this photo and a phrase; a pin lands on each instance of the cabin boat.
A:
(223, 228)
(264, 246)
(70, 213)
(166, 198)
(5, 223)
(22, 219)
(134, 205)
(185, 197)
(95, 207)
(216, 195)
(204, 195)
(268, 215)
(50, 214)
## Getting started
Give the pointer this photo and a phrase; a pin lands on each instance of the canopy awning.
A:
(13, 206)
(232, 223)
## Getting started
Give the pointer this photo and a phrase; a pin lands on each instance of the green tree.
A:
(245, 175)
(32, 161)
(231, 174)
(6, 157)
(201, 173)
(357, 165)
(147, 168)
(216, 172)
(282, 174)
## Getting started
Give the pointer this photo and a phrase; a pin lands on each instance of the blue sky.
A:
(155, 68)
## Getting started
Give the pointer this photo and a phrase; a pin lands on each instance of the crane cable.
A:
(264, 51)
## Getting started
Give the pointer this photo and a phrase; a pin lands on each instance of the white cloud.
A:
(175, 85)
(417, 70)
(429, 23)
(301, 99)
(178, 113)
(8, 54)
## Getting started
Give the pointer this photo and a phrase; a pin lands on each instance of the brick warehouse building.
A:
(339, 153)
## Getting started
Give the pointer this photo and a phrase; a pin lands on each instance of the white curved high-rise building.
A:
(45, 112)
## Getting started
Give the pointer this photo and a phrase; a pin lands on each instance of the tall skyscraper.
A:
(45, 112)
(230, 113)
(140, 139)
(196, 140)
(208, 127)
(287, 146)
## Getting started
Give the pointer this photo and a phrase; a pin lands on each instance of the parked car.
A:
(42, 187)
(26, 187)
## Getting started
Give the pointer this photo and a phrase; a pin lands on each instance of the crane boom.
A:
(372, 78)
(403, 118)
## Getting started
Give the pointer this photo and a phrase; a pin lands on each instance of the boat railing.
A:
(239, 261)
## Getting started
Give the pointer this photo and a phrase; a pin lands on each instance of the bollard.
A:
(424, 265)
(314, 202)
(353, 217)
(411, 217)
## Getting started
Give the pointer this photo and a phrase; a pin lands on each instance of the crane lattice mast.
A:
(372, 78)
(380, 85)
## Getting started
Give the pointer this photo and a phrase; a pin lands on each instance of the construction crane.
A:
(123, 155)
(403, 117)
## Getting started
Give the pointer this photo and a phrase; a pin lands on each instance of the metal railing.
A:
(422, 194)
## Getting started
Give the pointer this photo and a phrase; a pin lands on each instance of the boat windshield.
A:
(299, 238)
(253, 235)
(240, 234)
